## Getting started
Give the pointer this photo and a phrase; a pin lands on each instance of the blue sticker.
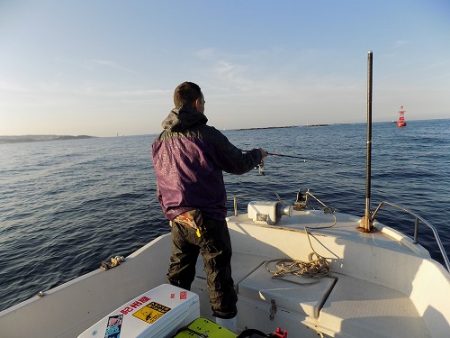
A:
(114, 326)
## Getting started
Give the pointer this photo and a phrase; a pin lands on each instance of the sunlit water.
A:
(67, 205)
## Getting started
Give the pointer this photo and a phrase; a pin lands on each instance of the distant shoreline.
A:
(309, 125)
(257, 128)
(40, 138)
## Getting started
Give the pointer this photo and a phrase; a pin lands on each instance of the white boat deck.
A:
(337, 305)
(355, 306)
(380, 285)
(364, 295)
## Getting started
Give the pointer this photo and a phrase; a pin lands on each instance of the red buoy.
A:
(401, 118)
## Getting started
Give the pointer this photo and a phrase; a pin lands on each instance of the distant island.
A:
(40, 138)
(257, 128)
(308, 125)
(317, 125)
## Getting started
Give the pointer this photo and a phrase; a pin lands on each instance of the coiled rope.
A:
(317, 267)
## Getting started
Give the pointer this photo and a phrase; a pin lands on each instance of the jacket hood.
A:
(183, 118)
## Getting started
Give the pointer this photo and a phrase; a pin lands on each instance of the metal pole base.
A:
(366, 225)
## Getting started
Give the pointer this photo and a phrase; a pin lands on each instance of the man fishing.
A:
(189, 157)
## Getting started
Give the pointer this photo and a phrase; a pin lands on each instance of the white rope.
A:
(317, 267)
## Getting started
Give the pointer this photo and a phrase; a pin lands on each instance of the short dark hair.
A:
(186, 94)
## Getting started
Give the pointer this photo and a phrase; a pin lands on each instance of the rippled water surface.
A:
(67, 205)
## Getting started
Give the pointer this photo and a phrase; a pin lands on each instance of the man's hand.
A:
(264, 153)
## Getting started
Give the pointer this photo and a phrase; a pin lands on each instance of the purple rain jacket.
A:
(188, 157)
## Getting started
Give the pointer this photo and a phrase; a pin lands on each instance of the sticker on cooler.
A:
(151, 312)
(136, 304)
(113, 326)
(182, 295)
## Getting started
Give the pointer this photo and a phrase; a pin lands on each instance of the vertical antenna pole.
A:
(366, 222)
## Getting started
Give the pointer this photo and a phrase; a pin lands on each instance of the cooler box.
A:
(202, 327)
(158, 313)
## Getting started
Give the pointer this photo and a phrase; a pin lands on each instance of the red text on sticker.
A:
(134, 305)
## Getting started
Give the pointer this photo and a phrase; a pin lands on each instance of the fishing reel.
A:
(261, 169)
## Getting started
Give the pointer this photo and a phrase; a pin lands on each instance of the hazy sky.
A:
(102, 67)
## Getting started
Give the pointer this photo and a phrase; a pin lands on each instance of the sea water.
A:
(67, 205)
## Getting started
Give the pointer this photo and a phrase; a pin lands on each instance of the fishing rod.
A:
(304, 158)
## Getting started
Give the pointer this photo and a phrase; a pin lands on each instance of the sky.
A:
(105, 67)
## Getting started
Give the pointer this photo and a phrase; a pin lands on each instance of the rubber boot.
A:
(230, 324)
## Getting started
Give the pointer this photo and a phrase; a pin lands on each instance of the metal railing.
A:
(417, 222)
(302, 202)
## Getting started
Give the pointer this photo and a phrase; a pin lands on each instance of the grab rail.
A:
(302, 202)
(417, 221)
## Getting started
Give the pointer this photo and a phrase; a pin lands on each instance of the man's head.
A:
(189, 94)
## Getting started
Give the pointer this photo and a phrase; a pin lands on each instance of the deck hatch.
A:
(295, 294)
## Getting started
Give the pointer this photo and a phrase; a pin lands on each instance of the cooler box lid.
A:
(156, 313)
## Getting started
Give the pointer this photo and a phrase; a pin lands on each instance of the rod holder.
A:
(366, 224)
